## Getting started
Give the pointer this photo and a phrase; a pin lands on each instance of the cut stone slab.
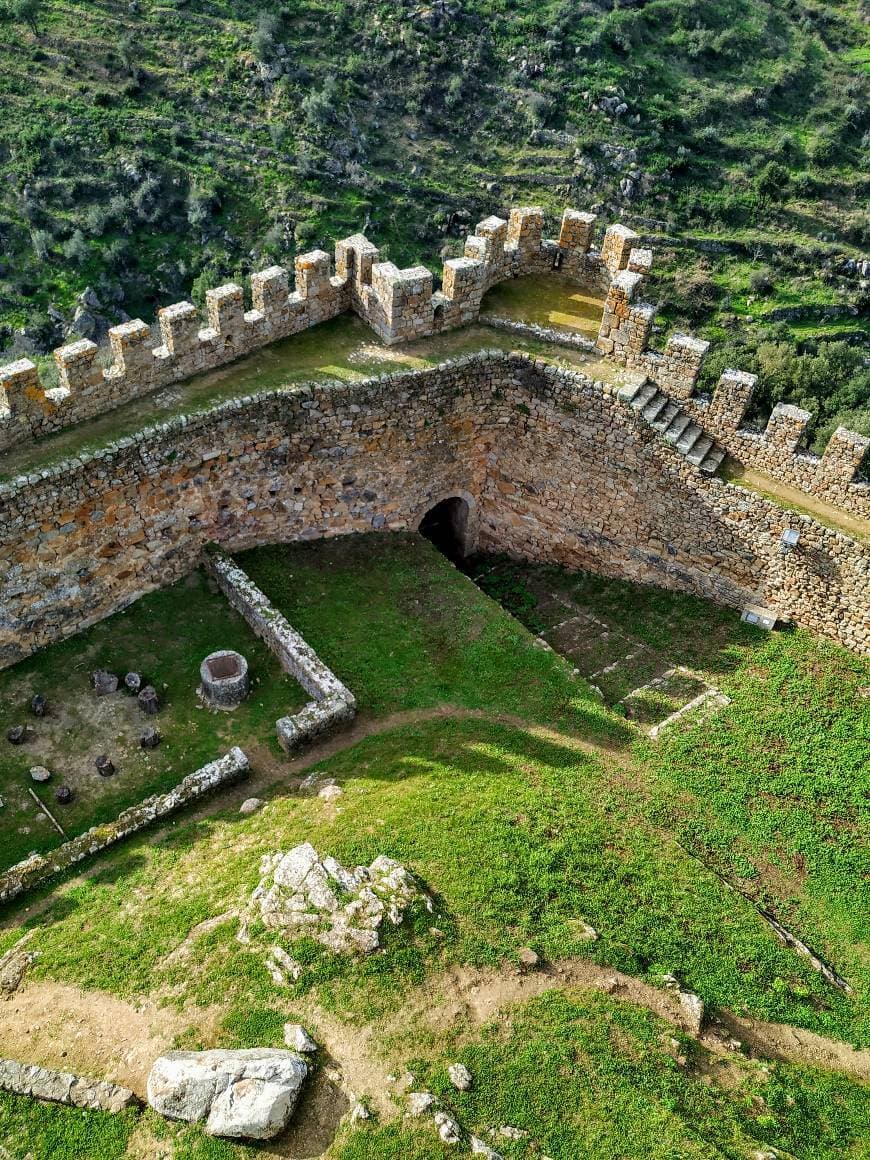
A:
(249, 1094)
(40, 774)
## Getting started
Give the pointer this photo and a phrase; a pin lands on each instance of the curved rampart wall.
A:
(561, 470)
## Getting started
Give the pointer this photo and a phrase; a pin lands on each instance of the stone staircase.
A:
(674, 425)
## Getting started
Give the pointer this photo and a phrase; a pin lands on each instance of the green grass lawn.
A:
(163, 636)
(523, 833)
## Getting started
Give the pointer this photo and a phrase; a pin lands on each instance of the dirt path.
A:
(98, 1035)
(91, 1032)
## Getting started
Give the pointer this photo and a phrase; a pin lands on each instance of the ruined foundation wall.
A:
(560, 468)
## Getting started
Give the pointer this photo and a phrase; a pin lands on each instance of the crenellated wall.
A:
(399, 305)
(776, 451)
(559, 468)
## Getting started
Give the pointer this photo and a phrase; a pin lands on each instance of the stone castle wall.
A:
(624, 336)
(559, 468)
(399, 305)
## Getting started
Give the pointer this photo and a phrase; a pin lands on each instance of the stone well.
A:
(224, 681)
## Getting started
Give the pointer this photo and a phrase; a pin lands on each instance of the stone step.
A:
(627, 393)
(713, 461)
(687, 440)
(665, 417)
(644, 396)
(654, 407)
(699, 450)
(677, 427)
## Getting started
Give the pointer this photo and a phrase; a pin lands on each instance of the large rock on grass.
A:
(249, 1094)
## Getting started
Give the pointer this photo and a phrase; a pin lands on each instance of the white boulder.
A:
(250, 1093)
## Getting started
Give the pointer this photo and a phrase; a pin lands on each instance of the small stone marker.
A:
(40, 774)
(420, 1102)
(529, 959)
(692, 1007)
(297, 1037)
(133, 683)
(250, 806)
(104, 682)
(460, 1077)
(478, 1148)
(64, 795)
(38, 705)
(17, 735)
(105, 766)
(150, 738)
(448, 1129)
(148, 701)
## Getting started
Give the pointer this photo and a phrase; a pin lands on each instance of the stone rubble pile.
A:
(303, 894)
(249, 1094)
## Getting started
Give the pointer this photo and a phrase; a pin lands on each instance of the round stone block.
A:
(224, 681)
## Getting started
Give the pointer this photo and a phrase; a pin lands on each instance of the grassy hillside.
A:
(149, 149)
(531, 813)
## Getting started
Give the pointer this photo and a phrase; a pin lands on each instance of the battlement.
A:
(624, 335)
(399, 305)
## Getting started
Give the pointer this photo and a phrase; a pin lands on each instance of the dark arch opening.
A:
(446, 526)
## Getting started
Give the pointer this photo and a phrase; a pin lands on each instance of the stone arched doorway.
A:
(451, 525)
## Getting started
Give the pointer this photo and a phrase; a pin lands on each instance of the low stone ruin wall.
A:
(541, 333)
(63, 1087)
(624, 336)
(38, 867)
(334, 704)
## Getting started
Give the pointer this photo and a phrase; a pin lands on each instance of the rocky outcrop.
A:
(249, 1094)
(304, 894)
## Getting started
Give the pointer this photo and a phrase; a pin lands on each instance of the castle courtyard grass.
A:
(164, 637)
(530, 811)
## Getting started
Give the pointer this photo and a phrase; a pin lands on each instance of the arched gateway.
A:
(451, 525)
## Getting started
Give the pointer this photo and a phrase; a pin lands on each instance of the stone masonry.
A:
(624, 337)
(399, 305)
(557, 467)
